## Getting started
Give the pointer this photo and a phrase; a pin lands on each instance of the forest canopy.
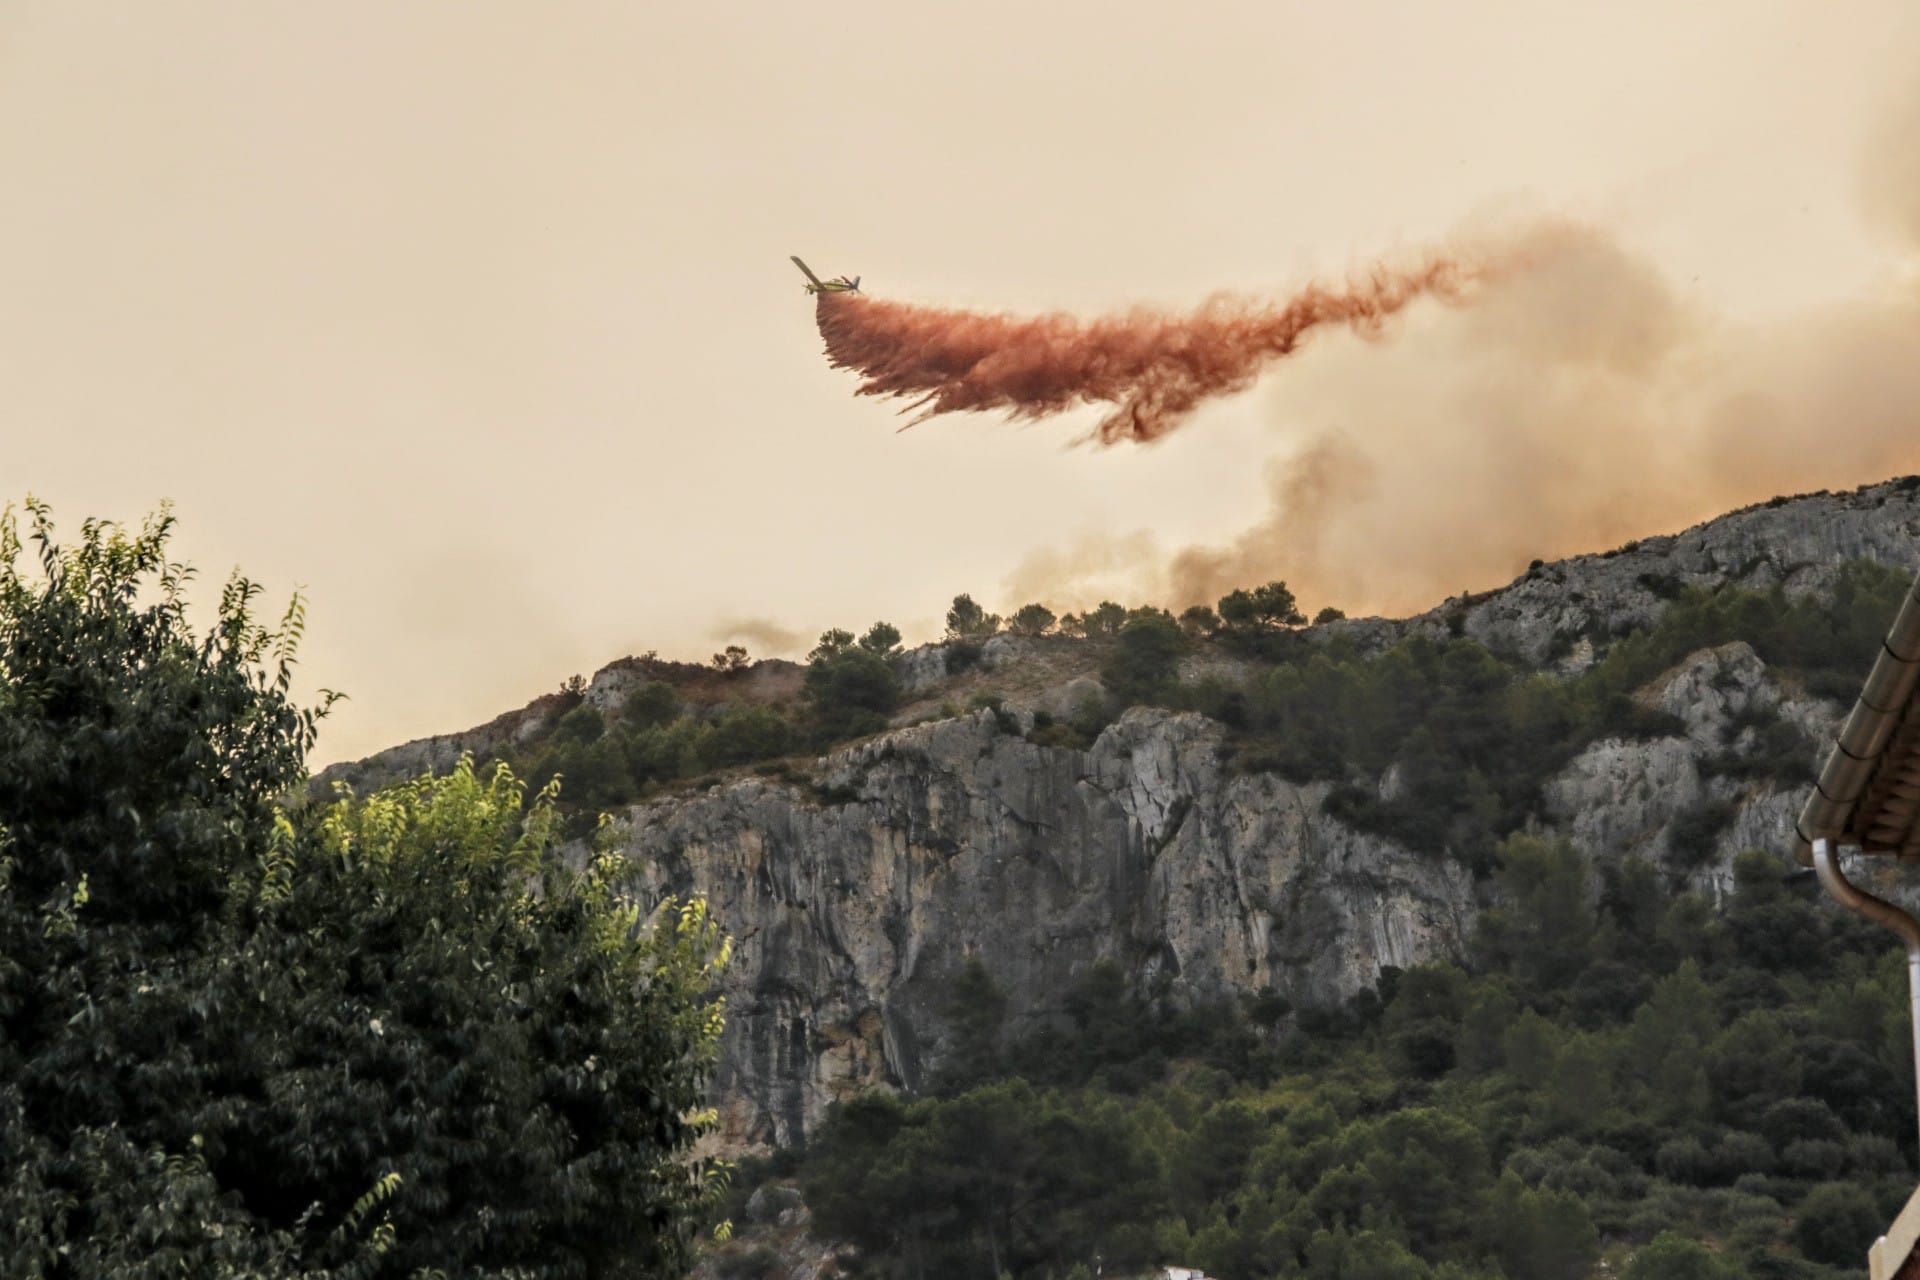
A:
(1612, 1071)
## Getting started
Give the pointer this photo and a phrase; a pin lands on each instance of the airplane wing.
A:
(805, 270)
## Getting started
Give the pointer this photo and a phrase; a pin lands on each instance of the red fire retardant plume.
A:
(1152, 367)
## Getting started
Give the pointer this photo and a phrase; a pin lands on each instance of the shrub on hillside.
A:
(849, 688)
(1674, 1257)
(1261, 608)
(1836, 1224)
(966, 620)
(882, 638)
(1145, 663)
(1031, 620)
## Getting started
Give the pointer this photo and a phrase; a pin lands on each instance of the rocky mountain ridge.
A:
(1797, 543)
(858, 892)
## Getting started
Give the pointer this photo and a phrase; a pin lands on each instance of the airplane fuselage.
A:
(839, 284)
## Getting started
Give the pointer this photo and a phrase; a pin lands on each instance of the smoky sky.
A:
(1576, 406)
(477, 321)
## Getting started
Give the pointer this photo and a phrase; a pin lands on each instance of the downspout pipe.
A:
(1826, 862)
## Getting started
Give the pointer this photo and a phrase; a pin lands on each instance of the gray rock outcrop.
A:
(958, 840)
(1798, 544)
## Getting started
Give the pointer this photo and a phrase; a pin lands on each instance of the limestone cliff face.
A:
(960, 839)
(857, 900)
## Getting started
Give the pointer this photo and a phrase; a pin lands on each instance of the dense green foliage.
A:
(1144, 664)
(529, 1059)
(966, 620)
(850, 685)
(1467, 737)
(656, 739)
(1691, 1092)
(1031, 620)
(1471, 736)
(380, 1037)
(653, 741)
(1261, 608)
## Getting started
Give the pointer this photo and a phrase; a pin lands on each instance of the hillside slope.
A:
(862, 883)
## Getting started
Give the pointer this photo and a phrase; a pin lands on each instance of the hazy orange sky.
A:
(475, 319)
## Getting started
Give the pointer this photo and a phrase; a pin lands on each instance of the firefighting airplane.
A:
(816, 285)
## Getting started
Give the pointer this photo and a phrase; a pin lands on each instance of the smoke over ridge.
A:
(1153, 367)
(1582, 400)
(768, 637)
(1577, 405)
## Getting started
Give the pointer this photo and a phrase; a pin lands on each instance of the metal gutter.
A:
(1868, 794)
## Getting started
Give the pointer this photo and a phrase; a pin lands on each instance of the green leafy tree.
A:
(1531, 1046)
(1031, 620)
(509, 1037)
(1147, 659)
(882, 638)
(650, 705)
(1428, 1167)
(1422, 1023)
(1836, 1225)
(1674, 1257)
(867, 1181)
(139, 773)
(1266, 606)
(968, 621)
(1755, 1058)
(1341, 1254)
(1199, 621)
(1540, 1233)
(1105, 619)
(1670, 1038)
(989, 1182)
(740, 735)
(365, 1040)
(1577, 1092)
(849, 688)
(1480, 1045)
(1543, 927)
(731, 660)
(974, 1013)
(582, 724)
(833, 642)
(1327, 614)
